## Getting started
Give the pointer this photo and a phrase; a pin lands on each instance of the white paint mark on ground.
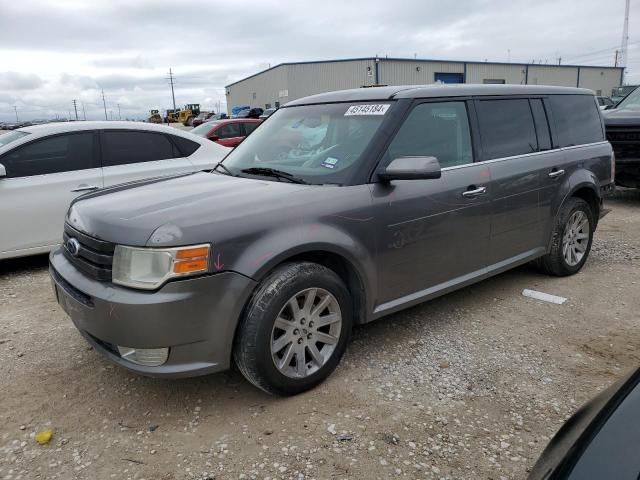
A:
(545, 297)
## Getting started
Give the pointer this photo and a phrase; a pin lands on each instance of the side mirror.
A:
(411, 168)
(3, 171)
(214, 138)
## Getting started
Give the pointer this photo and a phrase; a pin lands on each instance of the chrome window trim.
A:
(525, 155)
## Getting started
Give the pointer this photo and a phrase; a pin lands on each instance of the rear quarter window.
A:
(577, 119)
(185, 146)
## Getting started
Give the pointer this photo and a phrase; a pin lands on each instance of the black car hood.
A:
(621, 117)
(131, 214)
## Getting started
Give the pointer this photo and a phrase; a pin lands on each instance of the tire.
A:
(555, 262)
(258, 341)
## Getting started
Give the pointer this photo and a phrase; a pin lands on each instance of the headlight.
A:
(149, 268)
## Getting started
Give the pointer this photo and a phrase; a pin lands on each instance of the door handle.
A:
(474, 192)
(85, 188)
(556, 173)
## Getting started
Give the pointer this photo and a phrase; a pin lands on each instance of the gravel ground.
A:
(469, 386)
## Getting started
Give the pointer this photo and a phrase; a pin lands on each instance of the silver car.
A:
(43, 168)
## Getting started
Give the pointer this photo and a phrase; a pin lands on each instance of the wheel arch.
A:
(336, 262)
(587, 191)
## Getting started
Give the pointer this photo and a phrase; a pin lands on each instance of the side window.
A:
(542, 125)
(506, 128)
(438, 130)
(577, 119)
(250, 127)
(186, 147)
(60, 153)
(121, 147)
(229, 130)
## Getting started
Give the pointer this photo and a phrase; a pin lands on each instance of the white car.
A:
(43, 168)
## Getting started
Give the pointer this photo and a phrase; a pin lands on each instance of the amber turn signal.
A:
(190, 266)
(195, 252)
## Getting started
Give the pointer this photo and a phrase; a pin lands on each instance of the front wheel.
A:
(571, 239)
(295, 329)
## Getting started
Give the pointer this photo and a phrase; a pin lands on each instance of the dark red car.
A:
(229, 132)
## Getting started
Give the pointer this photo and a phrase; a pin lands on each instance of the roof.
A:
(60, 127)
(435, 90)
(400, 59)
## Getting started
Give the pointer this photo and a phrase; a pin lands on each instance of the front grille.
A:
(625, 142)
(94, 257)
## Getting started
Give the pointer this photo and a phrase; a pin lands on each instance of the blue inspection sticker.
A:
(330, 162)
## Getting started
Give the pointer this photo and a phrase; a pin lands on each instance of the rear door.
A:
(510, 144)
(230, 134)
(432, 234)
(43, 177)
(129, 155)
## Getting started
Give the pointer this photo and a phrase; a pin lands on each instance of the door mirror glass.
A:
(3, 171)
(412, 168)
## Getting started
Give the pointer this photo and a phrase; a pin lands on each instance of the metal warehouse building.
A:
(289, 81)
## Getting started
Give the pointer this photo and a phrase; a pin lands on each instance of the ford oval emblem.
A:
(73, 246)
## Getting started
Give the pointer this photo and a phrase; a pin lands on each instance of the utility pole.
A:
(615, 60)
(16, 110)
(119, 116)
(75, 107)
(173, 96)
(559, 60)
(625, 40)
(104, 105)
(84, 113)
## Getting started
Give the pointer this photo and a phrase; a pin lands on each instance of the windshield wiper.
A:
(226, 171)
(272, 172)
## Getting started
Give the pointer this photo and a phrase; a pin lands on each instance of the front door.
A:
(432, 234)
(43, 177)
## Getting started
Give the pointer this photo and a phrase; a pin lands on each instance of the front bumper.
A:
(196, 318)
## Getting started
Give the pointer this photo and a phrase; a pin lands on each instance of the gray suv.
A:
(339, 209)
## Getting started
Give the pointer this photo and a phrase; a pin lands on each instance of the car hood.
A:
(172, 211)
(617, 117)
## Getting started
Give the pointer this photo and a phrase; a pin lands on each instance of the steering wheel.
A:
(317, 159)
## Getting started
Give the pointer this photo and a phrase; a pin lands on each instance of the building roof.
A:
(434, 90)
(400, 59)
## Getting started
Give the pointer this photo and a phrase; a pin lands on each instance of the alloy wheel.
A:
(306, 332)
(576, 238)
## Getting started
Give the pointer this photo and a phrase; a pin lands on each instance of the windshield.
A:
(10, 137)
(202, 129)
(316, 143)
(631, 102)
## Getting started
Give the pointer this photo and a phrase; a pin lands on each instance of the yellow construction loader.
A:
(188, 113)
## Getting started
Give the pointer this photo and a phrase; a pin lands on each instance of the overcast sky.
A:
(54, 51)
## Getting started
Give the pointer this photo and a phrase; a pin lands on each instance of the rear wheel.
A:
(295, 329)
(571, 239)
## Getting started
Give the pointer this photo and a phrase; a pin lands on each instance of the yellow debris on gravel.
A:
(44, 436)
